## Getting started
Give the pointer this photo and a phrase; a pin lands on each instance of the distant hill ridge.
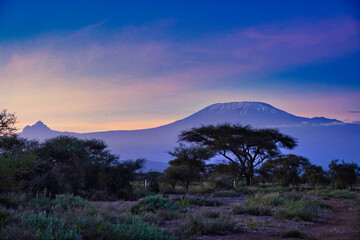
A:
(320, 139)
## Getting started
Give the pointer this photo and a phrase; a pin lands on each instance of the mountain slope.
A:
(320, 139)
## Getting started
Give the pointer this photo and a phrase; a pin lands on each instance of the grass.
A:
(72, 218)
(265, 200)
(304, 209)
(187, 201)
(251, 210)
(154, 203)
(204, 224)
(252, 224)
(228, 193)
(346, 194)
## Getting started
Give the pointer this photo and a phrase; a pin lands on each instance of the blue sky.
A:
(101, 65)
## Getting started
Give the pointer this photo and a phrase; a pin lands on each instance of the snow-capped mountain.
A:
(320, 139)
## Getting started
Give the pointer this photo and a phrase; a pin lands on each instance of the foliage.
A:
(252, 224)
(343, 174)
(221, 181)
(65, 165)
(314, 175)
(251, 210)
(242, 145)
(186, 201)
(154, 203)
(304, 209)
(340, 194)
(188, 165)
(228, 193)
(7, 122)
(201, 223)
(265, 200)
(71, 217)
(284, 170)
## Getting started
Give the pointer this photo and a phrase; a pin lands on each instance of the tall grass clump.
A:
(227, 193)
(154, 203)
(68, 217)
(304, 209)
(204, 224)
(265, 200)
(239, 209)
(187, 201)
(345, 193)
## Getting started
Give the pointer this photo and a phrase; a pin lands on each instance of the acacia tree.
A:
(343, 174)
(188, 165)
(285, 170)
(7, 122)
(242, 145)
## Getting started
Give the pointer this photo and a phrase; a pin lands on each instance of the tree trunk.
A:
(248, 180)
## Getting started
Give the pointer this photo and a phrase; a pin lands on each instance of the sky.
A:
(88, 66)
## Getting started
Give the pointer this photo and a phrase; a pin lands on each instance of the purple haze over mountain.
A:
(319, 139)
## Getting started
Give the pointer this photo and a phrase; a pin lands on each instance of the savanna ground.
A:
(202, 213)
(264, 213)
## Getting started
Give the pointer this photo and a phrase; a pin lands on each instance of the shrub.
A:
(292, 196)
(229, 193)
(251, 210)
(265, 200)
(139, 230)
(252, 224)
(199, 223)
(220, 181)
(187, 201)
(306, 210)
(153, 203)
(4, 218)
(340, 194)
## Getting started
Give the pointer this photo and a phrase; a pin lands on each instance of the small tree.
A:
(242, 145)
(188, 165)
(314, 175)
(7, 122)
(343, 174)
(285, 170)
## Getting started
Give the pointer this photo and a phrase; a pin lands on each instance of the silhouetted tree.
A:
(314, 175)
(242, 145)
(343, 174)
(84, 167)
(285, 170)
(188, 165)
(7, 122)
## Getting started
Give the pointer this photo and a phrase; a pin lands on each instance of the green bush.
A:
(252, 224)
(154, 203)
(186, 201)
(340, 194)
(49, 226)
(139, 230)
(228, 193)
(251, 210)
(4, 218)
(306, 210)
(200, 223)
(265, 200)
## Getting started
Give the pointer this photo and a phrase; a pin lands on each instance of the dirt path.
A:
(341, 224)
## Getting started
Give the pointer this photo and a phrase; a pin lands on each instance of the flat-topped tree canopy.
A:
(243, 145)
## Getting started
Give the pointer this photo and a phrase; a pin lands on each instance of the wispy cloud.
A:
(100, 74)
